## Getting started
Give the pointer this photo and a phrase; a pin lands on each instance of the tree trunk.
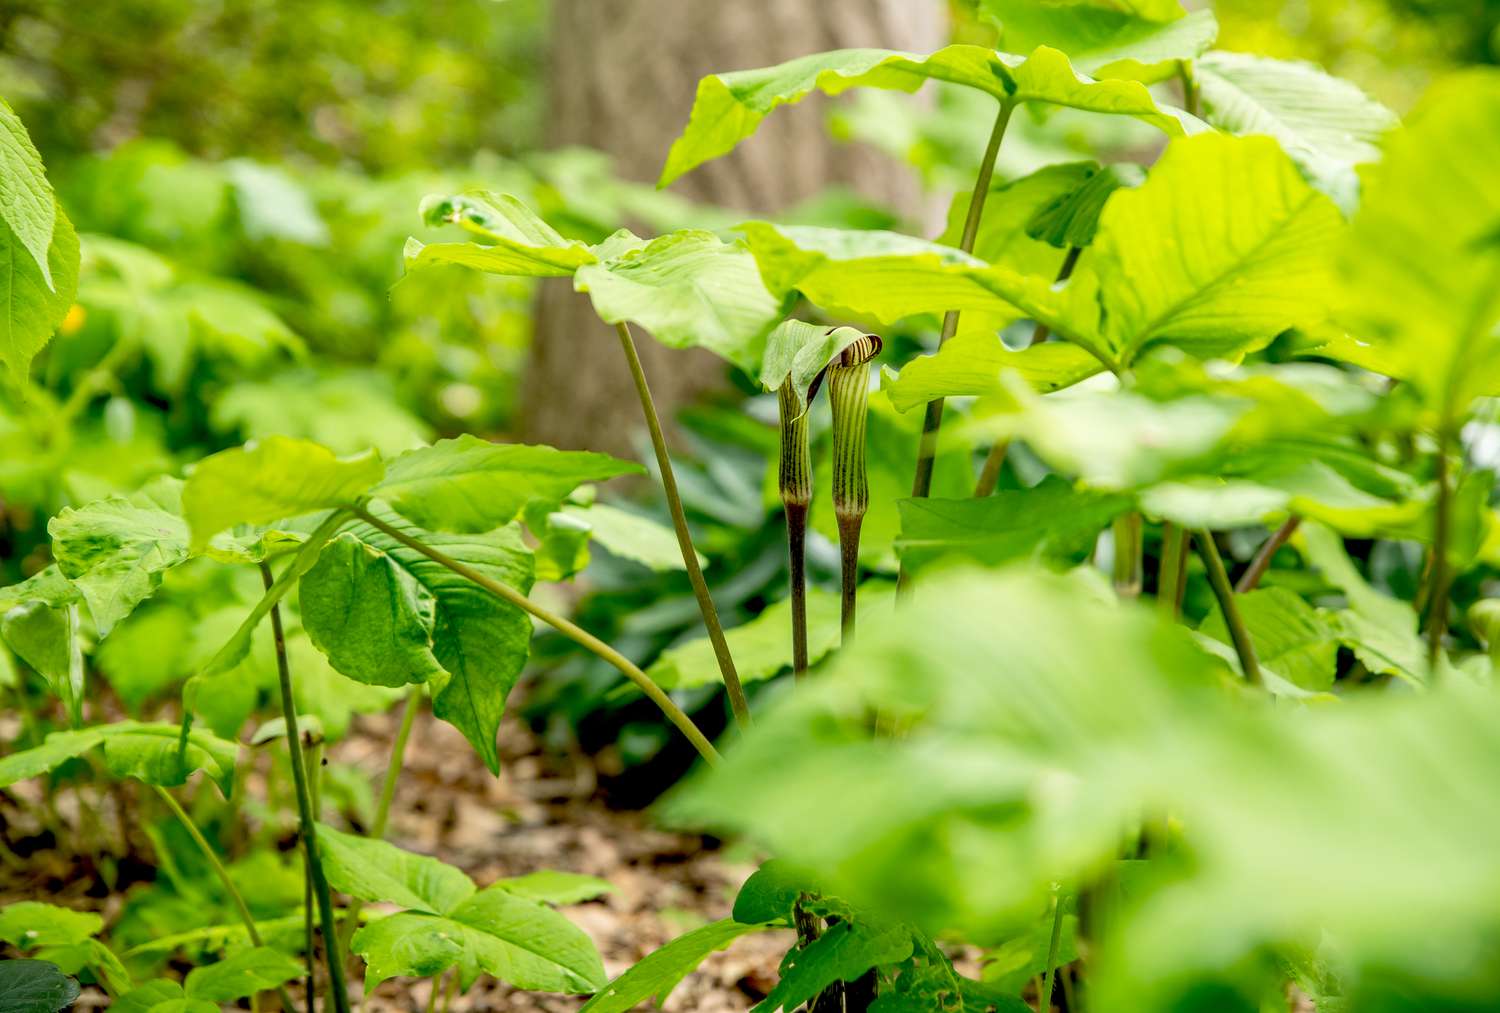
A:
(623, 74)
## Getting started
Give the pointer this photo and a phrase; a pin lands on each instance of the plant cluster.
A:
(1257, 787)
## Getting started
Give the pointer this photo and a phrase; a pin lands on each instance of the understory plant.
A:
(1250, 381)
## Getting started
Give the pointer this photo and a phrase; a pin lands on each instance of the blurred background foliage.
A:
(245, 173)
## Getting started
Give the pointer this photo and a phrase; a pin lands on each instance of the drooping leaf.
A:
(493, 932)
(35, 986)
(690, 289)
(729, 107)
(115, 550)
(478, 642)
(656, 975)
(842, 953)
(146, 751)
(1104, 41)
(549, 886)
(471, 485)
(1421, 282)
(46, 638)
(33, 298)
(269, 480)
(241, 974)
(27, 207)
(772, 891)
(1051, 521)
(382, 873)
(1327, 125)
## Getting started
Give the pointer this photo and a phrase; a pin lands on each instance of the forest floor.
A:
(534, 815)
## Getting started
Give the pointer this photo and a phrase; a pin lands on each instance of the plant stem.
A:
(1044, 1002)
(234, 894)
(732, 684)
(1441, 580)
(398, 756)
(849, 399)
(1218, 579)
(309, 830)
(1262, 561)
(1191, 95)
(1128, 549)
(1169, 572)
(572, 631)
(795, 484)
(933, 421)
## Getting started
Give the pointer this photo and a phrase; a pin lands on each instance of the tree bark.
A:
(623, 75)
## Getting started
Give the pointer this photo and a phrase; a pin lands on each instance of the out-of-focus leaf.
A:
(36, 295)
(1105, 41)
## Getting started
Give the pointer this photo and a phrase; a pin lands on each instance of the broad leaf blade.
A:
(379, 872)
(241, 974)
(1105, 42)
(33, 299)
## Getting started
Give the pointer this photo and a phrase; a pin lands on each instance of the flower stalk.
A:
(795, 484)
(848, 378)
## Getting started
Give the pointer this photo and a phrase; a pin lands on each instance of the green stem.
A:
(234, 894)
(933, 421)
(398, 756)
(737, 699)
(305, 808)
(1128, 552)
(1169, 573)
(573, 632)
(1250, 579)
(796, 544)
(1191, 94)
(1218, 579)
(1044, 1001)
(1441, 578)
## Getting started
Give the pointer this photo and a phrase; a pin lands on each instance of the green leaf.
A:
(762, 647)
(972, 362)
(1104, 42)
(729, 107)
(34, 299)
(269, 480)
(1006, 234)
(35, 986)
(1052, 521)
(1327, 125)
(471, 485)
(382, 873)
(115, 550)
(842, 953)
(29, 924)
(1072, 218)
(27, 207)
(515, 240)
(162, 996)
(690, 289)
(1421, 281)
(478, 642)
(46, 638)
(242, 974)
(772, 891)
(1383, 632)
(628, 535)
(655, 976)
(493, 932)
(147, 752)
(548, 886)
(1291, 638)
(1221, 249)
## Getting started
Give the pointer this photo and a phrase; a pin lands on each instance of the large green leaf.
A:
(29, 924)
(690, 289)
(1051, 521)
(115, 550)
(1221, 249)
(655, 976)
(27, 207)
(34, 299)
(241, 974)
(152, 753)
(35, 986)
(493, 932)
(515, 240)
(1104, 41)
(269, 480)
(429, 623)
(549, 886)
(471, 485)
(1327, 125)
(382, 873)
(729, 107)
(1421, 276)
(971, 364)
